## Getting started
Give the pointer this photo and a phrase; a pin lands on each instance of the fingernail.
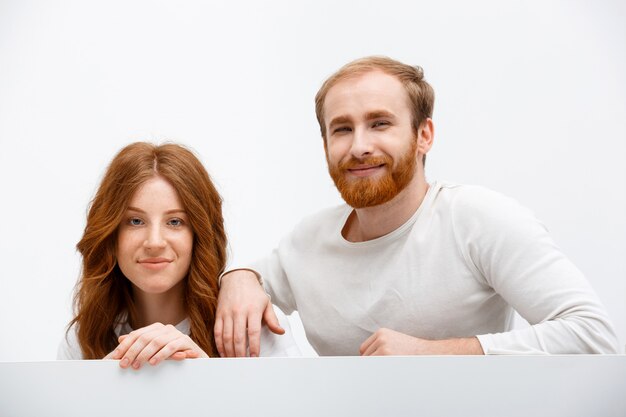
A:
(253, 355)
(153, 361)
(136, 365)
(124, 363)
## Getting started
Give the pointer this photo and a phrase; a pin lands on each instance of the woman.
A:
(153, 248)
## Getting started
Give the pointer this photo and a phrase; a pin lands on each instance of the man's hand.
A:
(389, 342)
(241, 305)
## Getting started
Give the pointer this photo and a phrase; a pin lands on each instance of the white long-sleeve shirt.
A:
(458, 267)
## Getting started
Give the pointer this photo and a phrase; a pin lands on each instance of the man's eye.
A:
(175, 222)
(380, 123)
(134, 221)
(342, 129)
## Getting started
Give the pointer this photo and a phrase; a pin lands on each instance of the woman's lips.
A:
(155, 263)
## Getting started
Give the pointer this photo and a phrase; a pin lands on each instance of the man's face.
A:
(371, 146)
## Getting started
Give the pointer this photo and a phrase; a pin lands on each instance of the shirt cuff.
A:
(258, 276)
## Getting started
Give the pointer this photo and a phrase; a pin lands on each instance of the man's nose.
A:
(362, 144)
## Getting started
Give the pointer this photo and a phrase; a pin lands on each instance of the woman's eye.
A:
(175, 222)
(134, 221)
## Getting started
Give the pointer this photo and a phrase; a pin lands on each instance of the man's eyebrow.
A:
(378, 114)
(372, 115)
(339, 120)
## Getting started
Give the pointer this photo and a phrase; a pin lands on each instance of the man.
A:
(408, 267)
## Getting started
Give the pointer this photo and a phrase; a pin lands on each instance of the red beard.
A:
(369, 192)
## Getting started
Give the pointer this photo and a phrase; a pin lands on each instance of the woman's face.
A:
(155, 240)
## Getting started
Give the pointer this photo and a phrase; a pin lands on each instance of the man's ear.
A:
(425, 136)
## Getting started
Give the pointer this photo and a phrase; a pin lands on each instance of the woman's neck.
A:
(166, 308)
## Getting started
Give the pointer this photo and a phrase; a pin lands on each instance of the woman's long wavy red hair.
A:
(103, 295)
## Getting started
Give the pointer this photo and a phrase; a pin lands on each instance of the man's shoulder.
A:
(326, 217)
(474, 197)
(465, 190)
(478, 204)
(317, 228)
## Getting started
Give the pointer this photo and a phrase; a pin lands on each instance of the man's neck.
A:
(373, 222)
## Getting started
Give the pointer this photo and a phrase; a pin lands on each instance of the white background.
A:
(531, 102)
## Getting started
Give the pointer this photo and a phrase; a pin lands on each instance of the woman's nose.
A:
(155, 238)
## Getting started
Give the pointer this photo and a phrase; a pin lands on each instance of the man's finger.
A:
(270, 319)
(254, 335)
(368, 342)
(240, 336)
(371, 350)
(217, 334)
(227, 336)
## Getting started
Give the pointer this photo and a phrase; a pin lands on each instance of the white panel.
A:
(511, 386)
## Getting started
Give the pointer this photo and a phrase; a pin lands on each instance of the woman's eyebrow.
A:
(171, 211)
(131, 208)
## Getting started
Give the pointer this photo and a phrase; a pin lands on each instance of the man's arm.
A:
(389, 342)
(512, 252)
(241, 306)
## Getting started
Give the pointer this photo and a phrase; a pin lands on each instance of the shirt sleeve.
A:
(279, 345)
(275, 279)
(512, 252)
(69, 348)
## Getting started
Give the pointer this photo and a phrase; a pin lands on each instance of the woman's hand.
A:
(153, 344)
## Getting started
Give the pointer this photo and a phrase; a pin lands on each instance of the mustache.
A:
(370, 160)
